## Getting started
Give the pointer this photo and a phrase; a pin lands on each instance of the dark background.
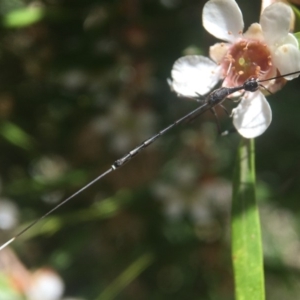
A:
(82, 86)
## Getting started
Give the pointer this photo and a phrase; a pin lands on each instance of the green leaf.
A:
(127, 276)
(297, 17)
(8, 290)
(16, 136)
(101, 210)
(297, 36)
(247, 254)
(23, 17)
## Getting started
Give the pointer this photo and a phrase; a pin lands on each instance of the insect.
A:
(215, 98)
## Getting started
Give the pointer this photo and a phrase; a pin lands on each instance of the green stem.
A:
(247, 253)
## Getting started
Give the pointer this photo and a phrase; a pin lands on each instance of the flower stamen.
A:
(249, 58)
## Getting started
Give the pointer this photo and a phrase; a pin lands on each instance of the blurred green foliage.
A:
(83, 82)
(23, 17)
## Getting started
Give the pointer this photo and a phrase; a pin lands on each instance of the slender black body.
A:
(215, 98)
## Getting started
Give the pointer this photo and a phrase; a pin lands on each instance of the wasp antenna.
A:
(262, 86)
(280, 76)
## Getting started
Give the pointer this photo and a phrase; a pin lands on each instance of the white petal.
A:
(286, 58)
(193, 75)
(223, 19)
(252, 116)
(290, 39)
(275, 22)
(254, 32)
(218, 51)
(265, 4)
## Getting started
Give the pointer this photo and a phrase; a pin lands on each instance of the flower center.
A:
(246, 58)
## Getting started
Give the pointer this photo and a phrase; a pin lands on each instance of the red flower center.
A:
(246, 58)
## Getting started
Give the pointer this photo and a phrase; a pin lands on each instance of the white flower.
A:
(45, 284)
(263, 51)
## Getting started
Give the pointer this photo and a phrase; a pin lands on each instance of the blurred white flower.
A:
(280, 235)
(45, 285)
(74, 80)
(201, 204)
(124, 127)
(48, 168)
(9, 214)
